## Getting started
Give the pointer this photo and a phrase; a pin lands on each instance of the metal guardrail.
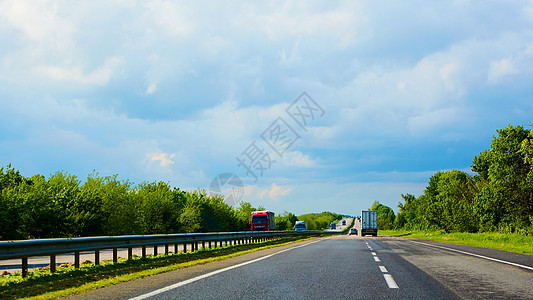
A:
(22, 249)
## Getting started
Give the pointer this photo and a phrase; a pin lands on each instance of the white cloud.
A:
(297, 159)
(151, 89)
(293, 19)
(500, 69)
(164, 158)
(429, 121)
(100, 76)
(275, 192)
(39, 20)
(171, 17)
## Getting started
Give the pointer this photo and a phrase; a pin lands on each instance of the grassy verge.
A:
(499, 241)
(41, 284)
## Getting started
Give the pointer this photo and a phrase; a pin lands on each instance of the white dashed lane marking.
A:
(391, 283)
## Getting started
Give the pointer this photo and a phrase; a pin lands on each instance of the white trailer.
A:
(369, 222)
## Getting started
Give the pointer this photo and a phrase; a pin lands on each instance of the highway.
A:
(343, 266)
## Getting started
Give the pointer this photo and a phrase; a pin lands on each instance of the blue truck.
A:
(300, 225)
(333, 225)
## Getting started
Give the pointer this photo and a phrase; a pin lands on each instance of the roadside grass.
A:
(67, 280)
(508, 242)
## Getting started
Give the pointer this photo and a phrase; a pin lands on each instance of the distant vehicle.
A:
(300, 225)
(333, 225)
(353, 231)
(369, 222)
(343, 222)
(263, 220)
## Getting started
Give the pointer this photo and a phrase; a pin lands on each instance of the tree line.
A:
(60, 206)
(498, 198)
(319, 221)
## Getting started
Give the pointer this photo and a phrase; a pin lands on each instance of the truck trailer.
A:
(263, 220)
(369, 222)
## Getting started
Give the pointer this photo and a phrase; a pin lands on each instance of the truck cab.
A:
(333, 225)
(262, 221)
(300, 225)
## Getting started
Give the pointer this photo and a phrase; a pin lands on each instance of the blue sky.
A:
(176, 91)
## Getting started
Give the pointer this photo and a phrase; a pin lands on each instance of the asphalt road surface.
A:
(344, 266)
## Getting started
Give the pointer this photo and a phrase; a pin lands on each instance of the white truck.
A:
(369, 222)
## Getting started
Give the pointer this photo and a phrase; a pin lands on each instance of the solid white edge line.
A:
(383, 269)
(185, 282)
(390, 281)
(477, 255)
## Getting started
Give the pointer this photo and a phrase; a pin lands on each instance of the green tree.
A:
(450, 199)
(505, 200)
(385, 216)
(156, 210)
(119, 211)
(319, 221)
(285, 221)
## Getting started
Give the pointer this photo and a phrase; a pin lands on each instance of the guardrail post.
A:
(130, 252)
(52, 263)
(24, 267)
(166, 249)
(184, 247)
(209, 243)
(96, 257)
(76, 259)
(155, 250)
(144, 251)
(195, 245)
(115, 255)
(175, 248)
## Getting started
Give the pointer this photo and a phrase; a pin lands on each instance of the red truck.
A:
(263, 220)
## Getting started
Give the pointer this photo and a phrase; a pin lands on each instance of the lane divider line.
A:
(477, 255)
(390, 281)
(191, 280)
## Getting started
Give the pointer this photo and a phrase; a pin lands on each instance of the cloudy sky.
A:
(181, 91)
